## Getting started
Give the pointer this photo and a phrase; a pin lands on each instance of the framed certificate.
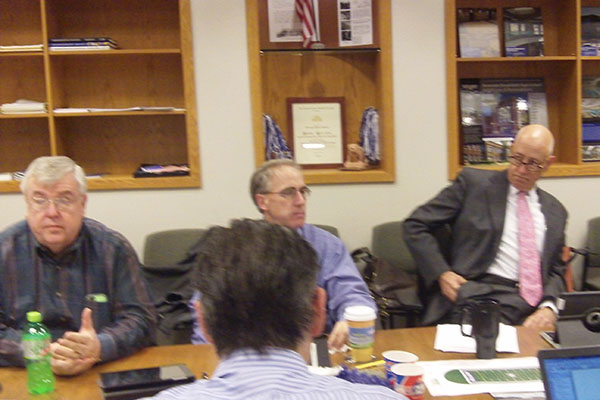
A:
(316, 127)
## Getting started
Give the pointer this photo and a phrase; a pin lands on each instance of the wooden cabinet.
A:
(562, 68)
(362, 75)
(153, 67)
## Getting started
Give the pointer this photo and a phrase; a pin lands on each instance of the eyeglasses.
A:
(291, 192)
(531, 165)
(64, 203)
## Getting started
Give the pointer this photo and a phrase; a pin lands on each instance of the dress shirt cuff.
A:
(108, 348)
(550, 304)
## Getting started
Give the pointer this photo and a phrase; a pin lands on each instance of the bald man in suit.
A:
(483, 262)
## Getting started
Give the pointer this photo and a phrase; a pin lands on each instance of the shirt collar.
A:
(237, 362)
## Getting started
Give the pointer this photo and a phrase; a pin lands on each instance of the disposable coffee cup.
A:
(361, 327)
(393, 357)
(409, 380)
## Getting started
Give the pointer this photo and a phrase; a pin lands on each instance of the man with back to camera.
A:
(261, 307)
(484, 210)
(57, 257)
(279, 192)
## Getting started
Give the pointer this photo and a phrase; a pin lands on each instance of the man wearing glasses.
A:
(83, 277)
(279, 192)
(507, 239)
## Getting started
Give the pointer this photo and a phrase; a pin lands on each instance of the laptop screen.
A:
(571, 373)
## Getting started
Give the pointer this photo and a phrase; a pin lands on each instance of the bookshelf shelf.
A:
(362, 75)
(562, 68)
(152, 68)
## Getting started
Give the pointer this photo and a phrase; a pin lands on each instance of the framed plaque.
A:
(316, 127)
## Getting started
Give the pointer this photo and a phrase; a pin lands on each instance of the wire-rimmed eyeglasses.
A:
(291, 192)
(531, 165)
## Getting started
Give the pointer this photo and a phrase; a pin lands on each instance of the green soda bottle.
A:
(36, 339)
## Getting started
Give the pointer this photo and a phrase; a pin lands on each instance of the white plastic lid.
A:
(407, 369)
(359, 313)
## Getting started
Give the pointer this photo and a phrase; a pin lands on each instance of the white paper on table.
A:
(437, 384)
(449, 338)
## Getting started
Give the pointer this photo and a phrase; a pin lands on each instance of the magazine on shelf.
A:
(523, 31)
(478, 32)
(492, 112)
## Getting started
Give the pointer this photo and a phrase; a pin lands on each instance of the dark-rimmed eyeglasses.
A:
(531, 165)
(63, 203)
(291, 192)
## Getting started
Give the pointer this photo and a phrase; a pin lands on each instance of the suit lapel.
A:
(496, 193)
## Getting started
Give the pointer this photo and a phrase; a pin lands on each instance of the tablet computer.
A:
(145, 381)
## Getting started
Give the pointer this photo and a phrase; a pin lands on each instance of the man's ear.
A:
(261, 202)
(319, 312)
(549, 162)
(200, 315)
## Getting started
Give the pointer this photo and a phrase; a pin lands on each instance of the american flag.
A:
(304, 9)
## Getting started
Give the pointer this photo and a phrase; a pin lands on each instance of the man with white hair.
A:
(56, 262)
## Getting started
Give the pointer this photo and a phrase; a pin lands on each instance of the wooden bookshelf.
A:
(153, 67)
(562, 68)
(362, 75)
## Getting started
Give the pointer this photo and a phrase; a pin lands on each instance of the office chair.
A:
(591, 264)
(168, 271)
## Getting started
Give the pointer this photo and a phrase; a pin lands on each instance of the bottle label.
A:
(34, 349)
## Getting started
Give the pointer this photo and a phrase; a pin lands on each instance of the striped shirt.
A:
(99, 261)
(279, 374)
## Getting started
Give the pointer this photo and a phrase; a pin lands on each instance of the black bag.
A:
(393, 289)
(171, 288)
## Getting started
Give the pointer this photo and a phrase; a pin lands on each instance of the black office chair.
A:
(169, 276)
(591, 264)
(388, 244)
(329, 228)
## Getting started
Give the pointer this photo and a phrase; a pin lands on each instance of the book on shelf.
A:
(478, 32)
(590, 31)
(67, 110)
(89, 43)
(523, 31)
(494, 109)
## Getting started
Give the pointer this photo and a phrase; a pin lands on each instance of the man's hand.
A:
(76, 352)
(542, 319)
(450, 282)
(338, 336)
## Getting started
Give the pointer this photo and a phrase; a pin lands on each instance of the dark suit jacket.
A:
(474, 206)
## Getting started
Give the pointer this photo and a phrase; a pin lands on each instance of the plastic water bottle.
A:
(35, 341)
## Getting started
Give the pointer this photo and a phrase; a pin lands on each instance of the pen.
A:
(371, 364)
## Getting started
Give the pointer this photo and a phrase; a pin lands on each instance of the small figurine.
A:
(355, 158)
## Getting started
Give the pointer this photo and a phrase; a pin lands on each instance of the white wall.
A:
(222, 87)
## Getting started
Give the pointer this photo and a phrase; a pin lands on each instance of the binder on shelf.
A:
(478, 32)
(523, 31)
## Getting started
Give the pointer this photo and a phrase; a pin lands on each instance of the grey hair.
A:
(259, 183)
(48, 170)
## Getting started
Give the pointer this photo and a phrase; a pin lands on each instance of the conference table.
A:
(203, 359)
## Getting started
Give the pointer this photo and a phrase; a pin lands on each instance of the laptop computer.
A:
(571, 373)
(578, 321)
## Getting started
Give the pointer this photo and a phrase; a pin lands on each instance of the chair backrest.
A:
(170, 247)
(387, 242)
(331, 229)
(591, 280)
(170, 281)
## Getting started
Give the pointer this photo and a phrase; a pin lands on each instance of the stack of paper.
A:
(84, 43)
(23, 106)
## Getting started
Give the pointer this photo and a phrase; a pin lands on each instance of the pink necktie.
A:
(530, 277)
